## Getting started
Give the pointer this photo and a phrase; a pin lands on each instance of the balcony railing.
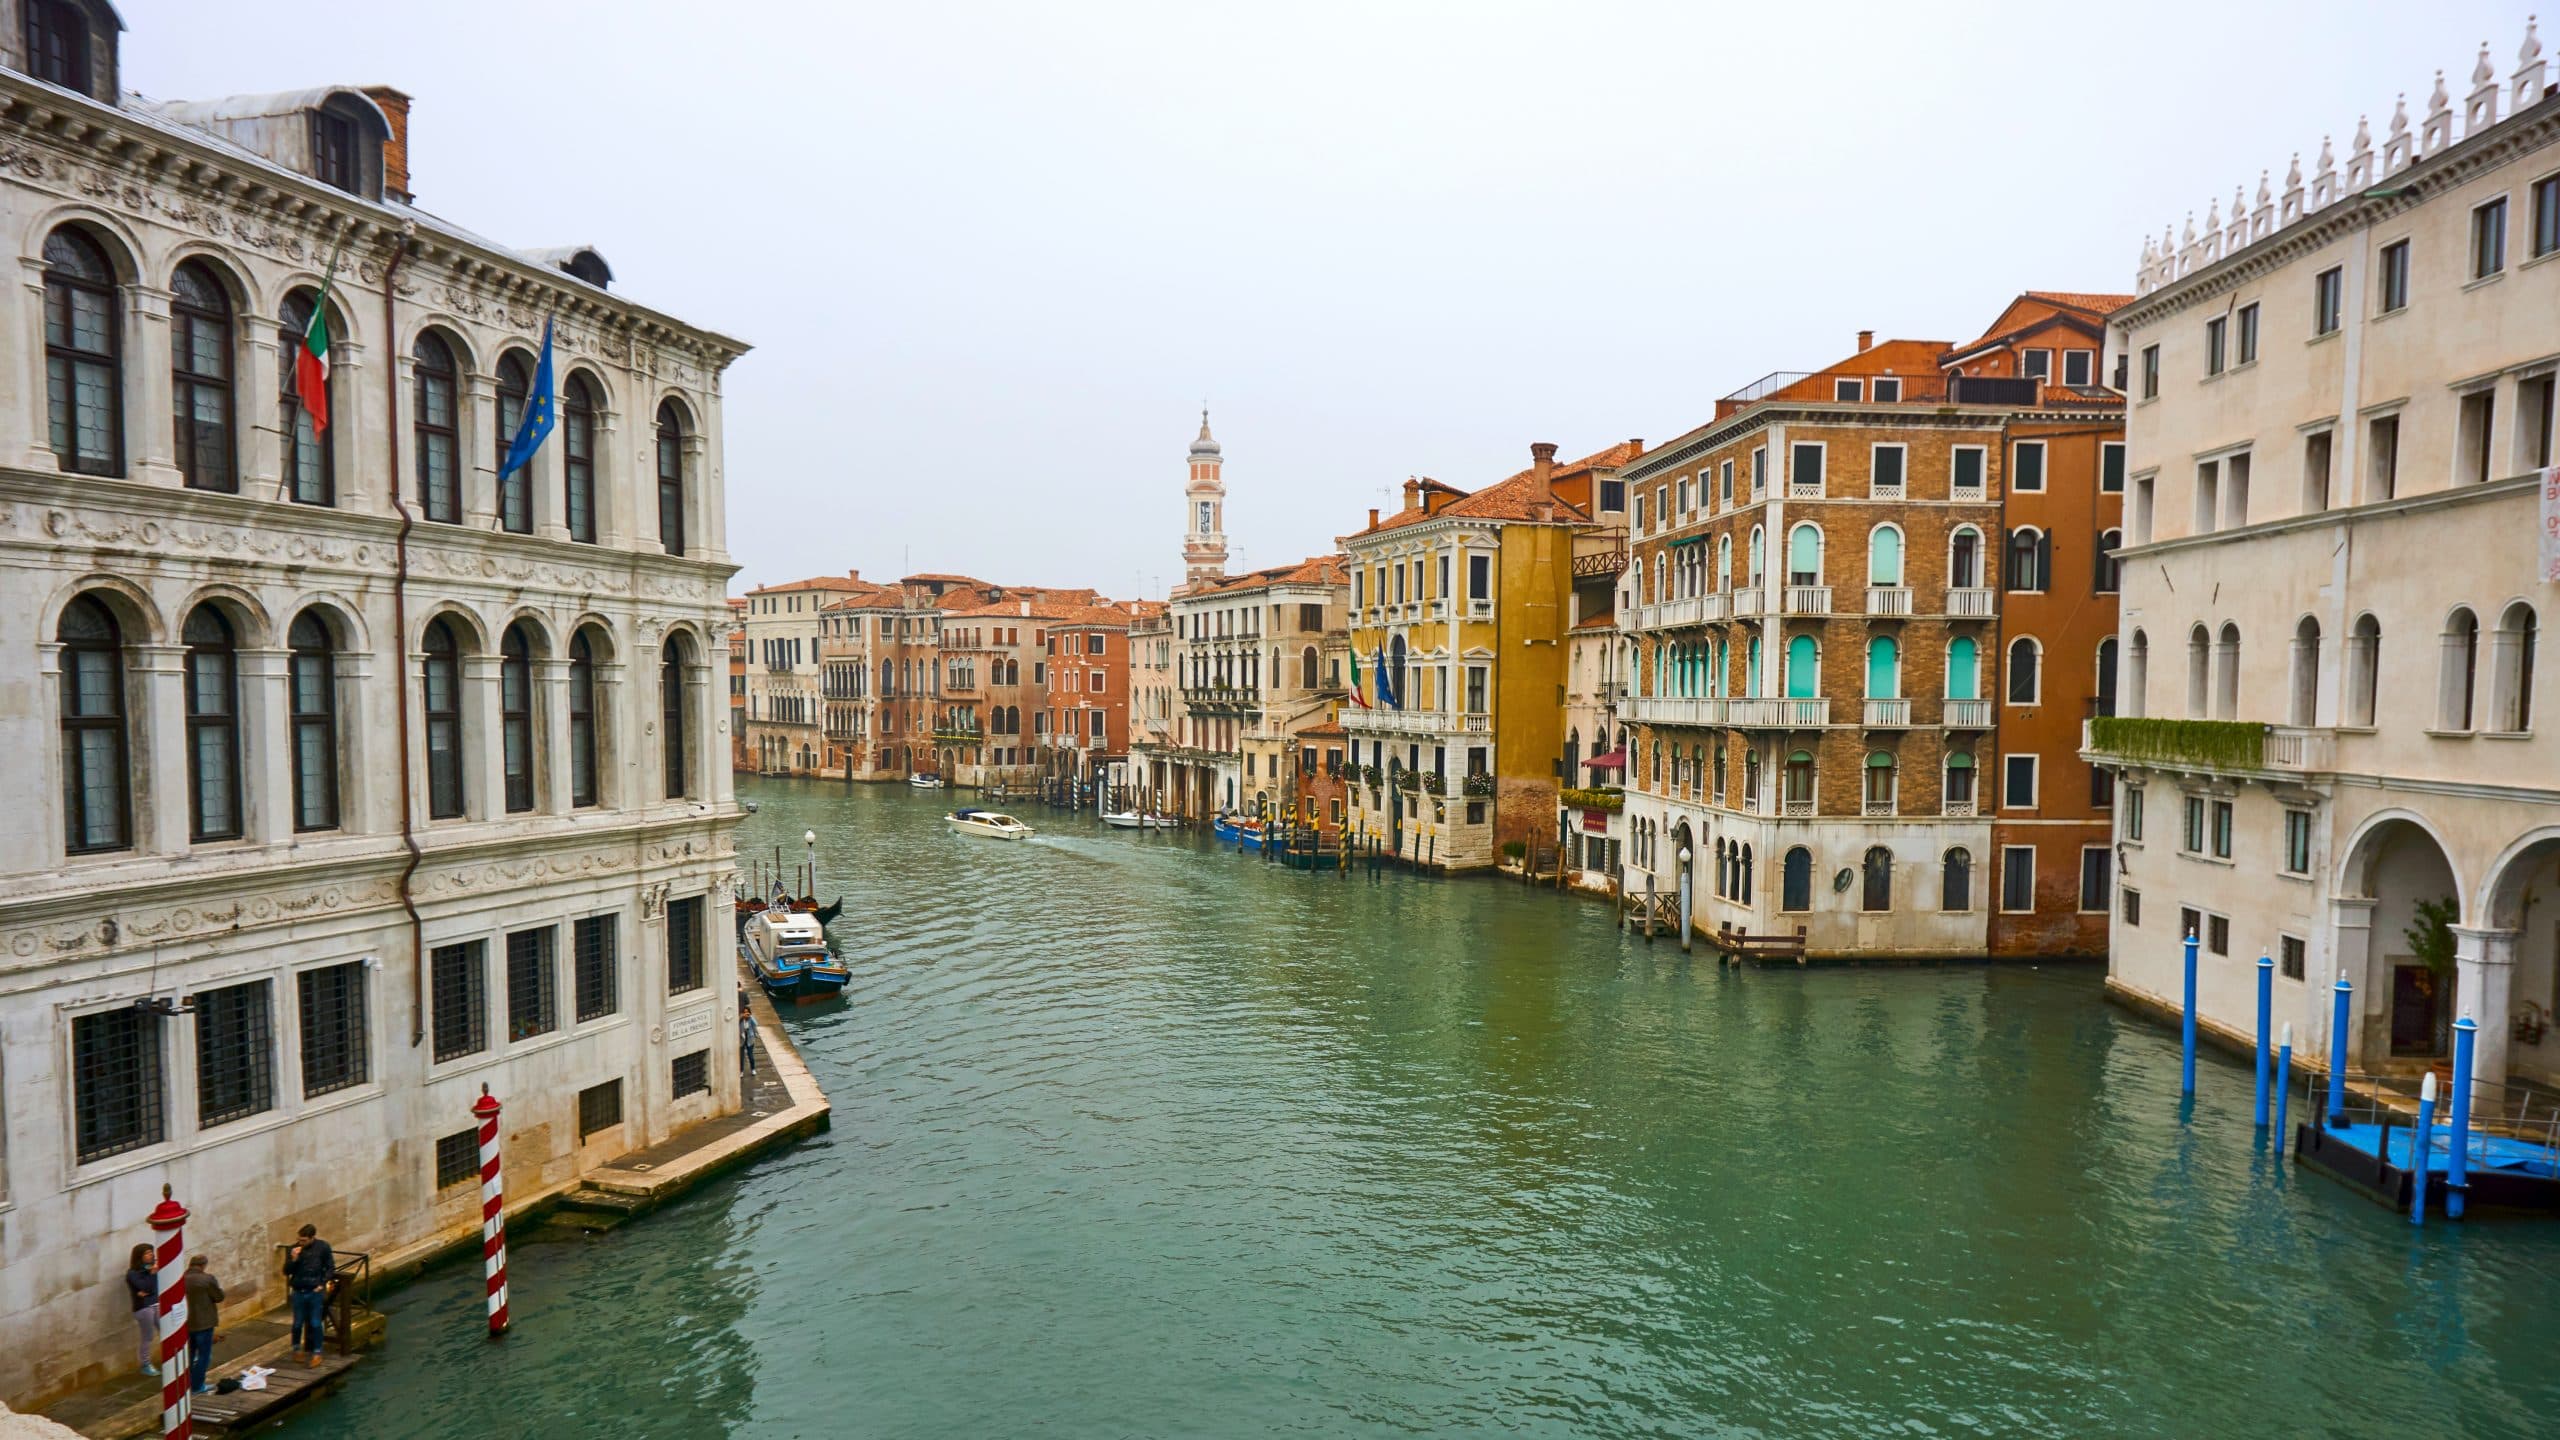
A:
(1876, 809)
(1797, 809)
(1808, 599)
(1476, 723)
(2305, 751)
(1888, 600)
(1965, 494)
(1399, 722)
(1676, 709)
(1969, 602)
(1751, 603)
(1956, 808)
(1894, 714)
(1778, 714)
(1968, 714)
(1679, 612)
(1713, 608)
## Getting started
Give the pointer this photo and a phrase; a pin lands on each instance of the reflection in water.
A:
(1137, 1138)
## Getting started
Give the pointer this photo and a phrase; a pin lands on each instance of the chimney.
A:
(395, 151)
(1866, 341)
(1412, 493)
(1373, 517)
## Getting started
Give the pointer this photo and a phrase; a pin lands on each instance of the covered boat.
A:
(1242, 830)
(993, 824)
(788, 951)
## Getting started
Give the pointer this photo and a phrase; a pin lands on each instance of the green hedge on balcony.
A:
(1595, 799)
(2206, 744)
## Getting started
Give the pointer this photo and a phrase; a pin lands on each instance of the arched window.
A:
(2199, 672)
(671, 440)
(1884, 556)
(2226, 674)
(1309, 677)
(440, 683)
(1751, 780)
(1804, 668)
(1964, 559)
(1572, 758)
(2137, 677)
(1653, 772)
(2025, 670)
(83, 369)
(435, 430)
(1724, 562)
(310, 469)
(1751, 667)
(1742, 891)
(312, 680)
(2364, 669)
(1881, 773)
(1804, 555)
(213, 727)
(671, 701)
(1955, 884)
(2511, 671)
(2458, 671)
(578, 458)
(2302, 694)
(1795, 881)
(1877, 874)
(1799, 785)
(1884, 668)
(1964, 669)
(2110, 577)
(200, 377)
(515, 487)
(515, 716)
(1958, 789)
(1719, 775)
(1754, 557)
(2107, 676)
(96, 810)
(2030, 559)
(582, 721)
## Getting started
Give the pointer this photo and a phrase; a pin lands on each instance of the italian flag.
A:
(311, 358)
(1356, 697)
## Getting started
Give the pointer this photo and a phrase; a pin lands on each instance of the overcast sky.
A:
(993, 257)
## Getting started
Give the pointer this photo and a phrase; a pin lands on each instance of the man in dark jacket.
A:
(204, 1310)
(309, 1265)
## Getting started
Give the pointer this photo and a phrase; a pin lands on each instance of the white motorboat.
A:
(993, 824)
(925, 782)
(1132, 820)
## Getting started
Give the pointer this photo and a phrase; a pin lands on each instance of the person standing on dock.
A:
(309, 1266)
(142, 1287)
(746, 1038)
(204, 1311)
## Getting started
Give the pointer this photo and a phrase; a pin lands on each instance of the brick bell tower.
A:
(1204, 523)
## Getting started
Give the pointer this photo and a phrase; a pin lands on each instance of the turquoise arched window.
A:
(1884, 556)
(1964, 669)
(1884, 668)
(1803, 670)
(1804, 556)
(1751, 668)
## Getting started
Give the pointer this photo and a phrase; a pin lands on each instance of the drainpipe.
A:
(400, 636)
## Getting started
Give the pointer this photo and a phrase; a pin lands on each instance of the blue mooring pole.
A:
(2338, 1053)
(2187, 1025)
(2266, 1029)
(2421, 1150)
(2457, 1164)
(2284, 1085)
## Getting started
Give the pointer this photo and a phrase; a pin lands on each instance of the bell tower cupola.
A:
(1204, 523)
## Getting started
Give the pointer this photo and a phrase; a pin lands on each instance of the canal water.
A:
(1137, 1138)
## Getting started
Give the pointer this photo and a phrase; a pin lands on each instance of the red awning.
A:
(1614, 760)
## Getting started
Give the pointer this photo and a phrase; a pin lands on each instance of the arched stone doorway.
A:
(1684, 854)
(2509, 963)
(2394, 864)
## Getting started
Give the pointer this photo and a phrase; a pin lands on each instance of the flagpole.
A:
(319, 307)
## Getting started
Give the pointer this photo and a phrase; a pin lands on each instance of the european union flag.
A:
(1387, 684)
(539, 412)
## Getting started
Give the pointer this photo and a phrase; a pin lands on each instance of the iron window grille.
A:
(459, 995)
(692, 1074)
(684, 945)
(2294, 956)
(599, 990)
(235, 1053)
(333, 1030)
(599, 1108)
(458, 1157)
(533, 1001)
(115, 1083)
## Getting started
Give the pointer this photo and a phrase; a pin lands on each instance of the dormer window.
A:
(333, 152)
(58, 45)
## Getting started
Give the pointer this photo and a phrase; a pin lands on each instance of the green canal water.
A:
(1137, 1138)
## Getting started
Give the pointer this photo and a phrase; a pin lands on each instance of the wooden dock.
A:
(290, 1385)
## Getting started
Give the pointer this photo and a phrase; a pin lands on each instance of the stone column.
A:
(255, 409)
(368, 793)
(551, 688)
(484, 780)
(159, 751)
(354, 439)
(2484, 963)
(150, 438)
(2351, 921)
(702, 710)
(615, 723)
(477, 464)
(613, 504)
(26, 429)
(266, 746)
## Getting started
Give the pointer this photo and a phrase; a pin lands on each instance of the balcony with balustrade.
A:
(1772, 713)
(1714, 609)
(1888, 714)
(1968, 714)
(1674, 709)
(1808, 599)
(1889, 600)
(1750, 604)
(1969, 602)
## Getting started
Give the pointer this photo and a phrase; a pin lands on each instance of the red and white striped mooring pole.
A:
(169, 1222)
(493, 1212)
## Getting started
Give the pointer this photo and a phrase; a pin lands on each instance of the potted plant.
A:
(2431, 941)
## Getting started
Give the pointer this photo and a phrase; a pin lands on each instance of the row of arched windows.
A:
(1703, 668)
(1681, 572)
(99, 722)
(2213, 672)
(85, 380)
(1875, 880)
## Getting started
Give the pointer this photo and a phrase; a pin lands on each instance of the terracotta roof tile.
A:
(1510, 498)
(2102, 304)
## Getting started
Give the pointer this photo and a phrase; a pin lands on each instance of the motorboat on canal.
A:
(788, 951)
(1134, 820)
(1241, 830)
(924, 782)
(993, 824)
